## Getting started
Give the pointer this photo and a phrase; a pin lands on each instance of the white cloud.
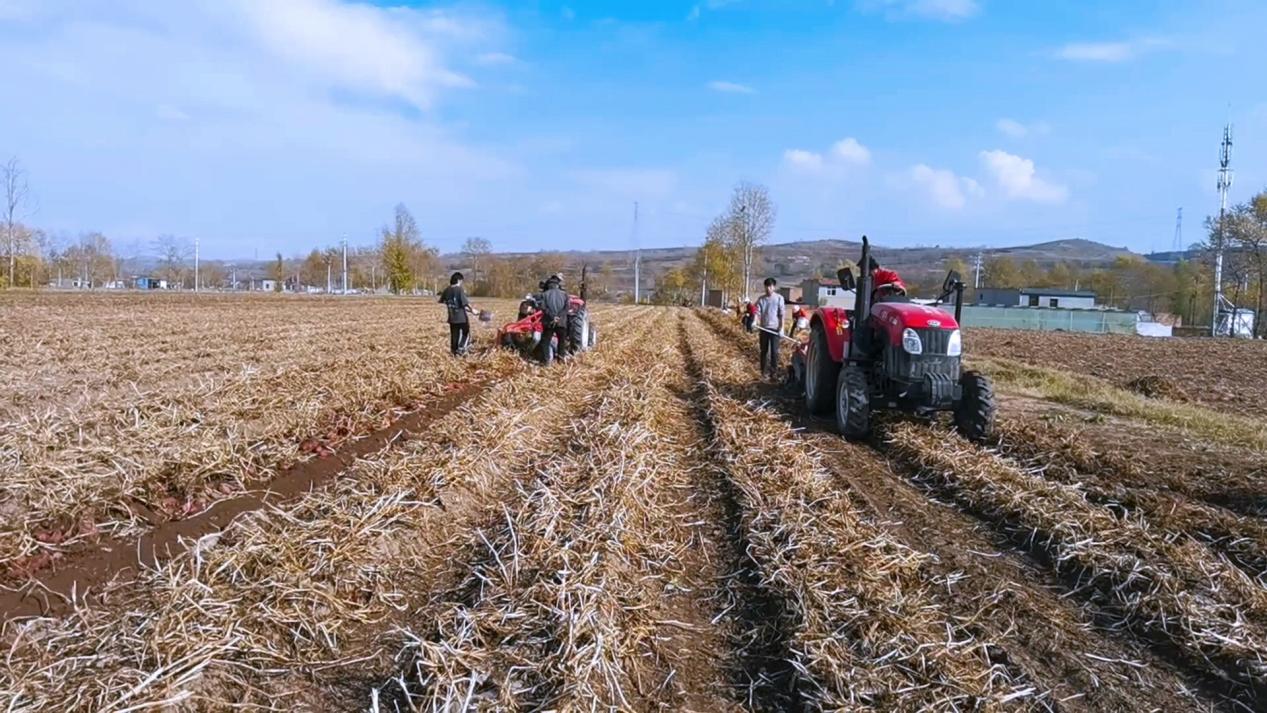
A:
(945, 189)
(1017, 178)
(1017, 130)
(731, 88)
(495, 59)
(844, 154)
(230, 101)
(803, 160)
(850, 151)
(358, 47)
(941, 10)
(1109, 51)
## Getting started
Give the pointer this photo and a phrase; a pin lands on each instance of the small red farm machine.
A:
(525, 334)
(890, 353)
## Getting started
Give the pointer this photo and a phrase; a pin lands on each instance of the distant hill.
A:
(793, 262)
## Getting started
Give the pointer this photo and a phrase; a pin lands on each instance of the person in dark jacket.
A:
(554, 318)
(454, 299)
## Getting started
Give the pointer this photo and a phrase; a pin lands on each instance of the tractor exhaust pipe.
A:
(862, 299)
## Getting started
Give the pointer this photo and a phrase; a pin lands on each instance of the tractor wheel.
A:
(578, 330)
(974, 415)
(820, 374)
(853, 404)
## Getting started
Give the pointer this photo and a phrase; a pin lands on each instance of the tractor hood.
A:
(896, 316)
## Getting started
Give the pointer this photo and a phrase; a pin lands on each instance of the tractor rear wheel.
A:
(853, 404)
(578, 331)
(974, 414)
(820, 374)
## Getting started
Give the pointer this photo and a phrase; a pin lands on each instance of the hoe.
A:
(889, 353)
(525, 333)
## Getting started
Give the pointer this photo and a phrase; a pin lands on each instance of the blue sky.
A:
(265, 125)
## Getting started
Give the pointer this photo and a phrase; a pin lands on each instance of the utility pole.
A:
(345, 264)
(637, 259)
(195, 264)
(1178, 246)
(976, 282)
(1224, 184)
(329, 264)
(703, 286)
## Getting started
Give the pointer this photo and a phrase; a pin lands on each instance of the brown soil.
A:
(57, 586)
(1226, 374)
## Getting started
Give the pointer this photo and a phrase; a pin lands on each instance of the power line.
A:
(1178, 246)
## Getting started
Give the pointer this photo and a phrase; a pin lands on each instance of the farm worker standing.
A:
(554, 318)
(750, 319)
(770, 320)
(454, 298)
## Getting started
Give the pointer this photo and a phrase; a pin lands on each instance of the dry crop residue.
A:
(642, 527)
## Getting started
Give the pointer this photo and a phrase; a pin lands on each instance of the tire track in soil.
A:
(666, 611)
(971, 554)
(1219, 678)
(763, 667)
(54, 591)
(1111, 481)
(1160, 458)
(460, 505)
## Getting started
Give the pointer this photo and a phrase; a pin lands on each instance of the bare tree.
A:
(173, 256)
(16, 190)
(751, 218)
(477, 249)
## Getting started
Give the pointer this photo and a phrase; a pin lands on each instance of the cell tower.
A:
(1178, 246)
(1224, 184)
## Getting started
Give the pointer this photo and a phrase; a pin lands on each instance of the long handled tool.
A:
(781, 335)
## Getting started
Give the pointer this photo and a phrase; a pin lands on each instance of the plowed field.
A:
(332, 514)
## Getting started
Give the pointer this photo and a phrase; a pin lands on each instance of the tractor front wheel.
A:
(853, 404)
(820, 373)
(974, 414)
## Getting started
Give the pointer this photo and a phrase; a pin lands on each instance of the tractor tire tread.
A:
(974, 418)
(855, 422)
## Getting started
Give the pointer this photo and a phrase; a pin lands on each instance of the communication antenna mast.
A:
(637, 258)
(345, 264)
(977, 268)
(1178, 246)
(1224, 184)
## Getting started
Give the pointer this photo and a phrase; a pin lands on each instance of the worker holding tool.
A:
(770, 321)
(554, 319)
(454, 299)
(800, 320)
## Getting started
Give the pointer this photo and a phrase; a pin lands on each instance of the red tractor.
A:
(525, 333)
(890, 353)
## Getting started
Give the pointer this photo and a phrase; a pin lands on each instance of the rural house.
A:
(1036, 297)
(825, 292)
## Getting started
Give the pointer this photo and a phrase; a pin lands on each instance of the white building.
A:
(824, 292)
(1036, 297)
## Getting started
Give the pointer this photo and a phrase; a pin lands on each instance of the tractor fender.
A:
(835, 321)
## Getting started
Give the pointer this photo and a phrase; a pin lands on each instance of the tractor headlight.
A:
(911, 342)
(954, 347)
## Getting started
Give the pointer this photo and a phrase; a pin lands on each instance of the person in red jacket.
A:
(887, 286)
